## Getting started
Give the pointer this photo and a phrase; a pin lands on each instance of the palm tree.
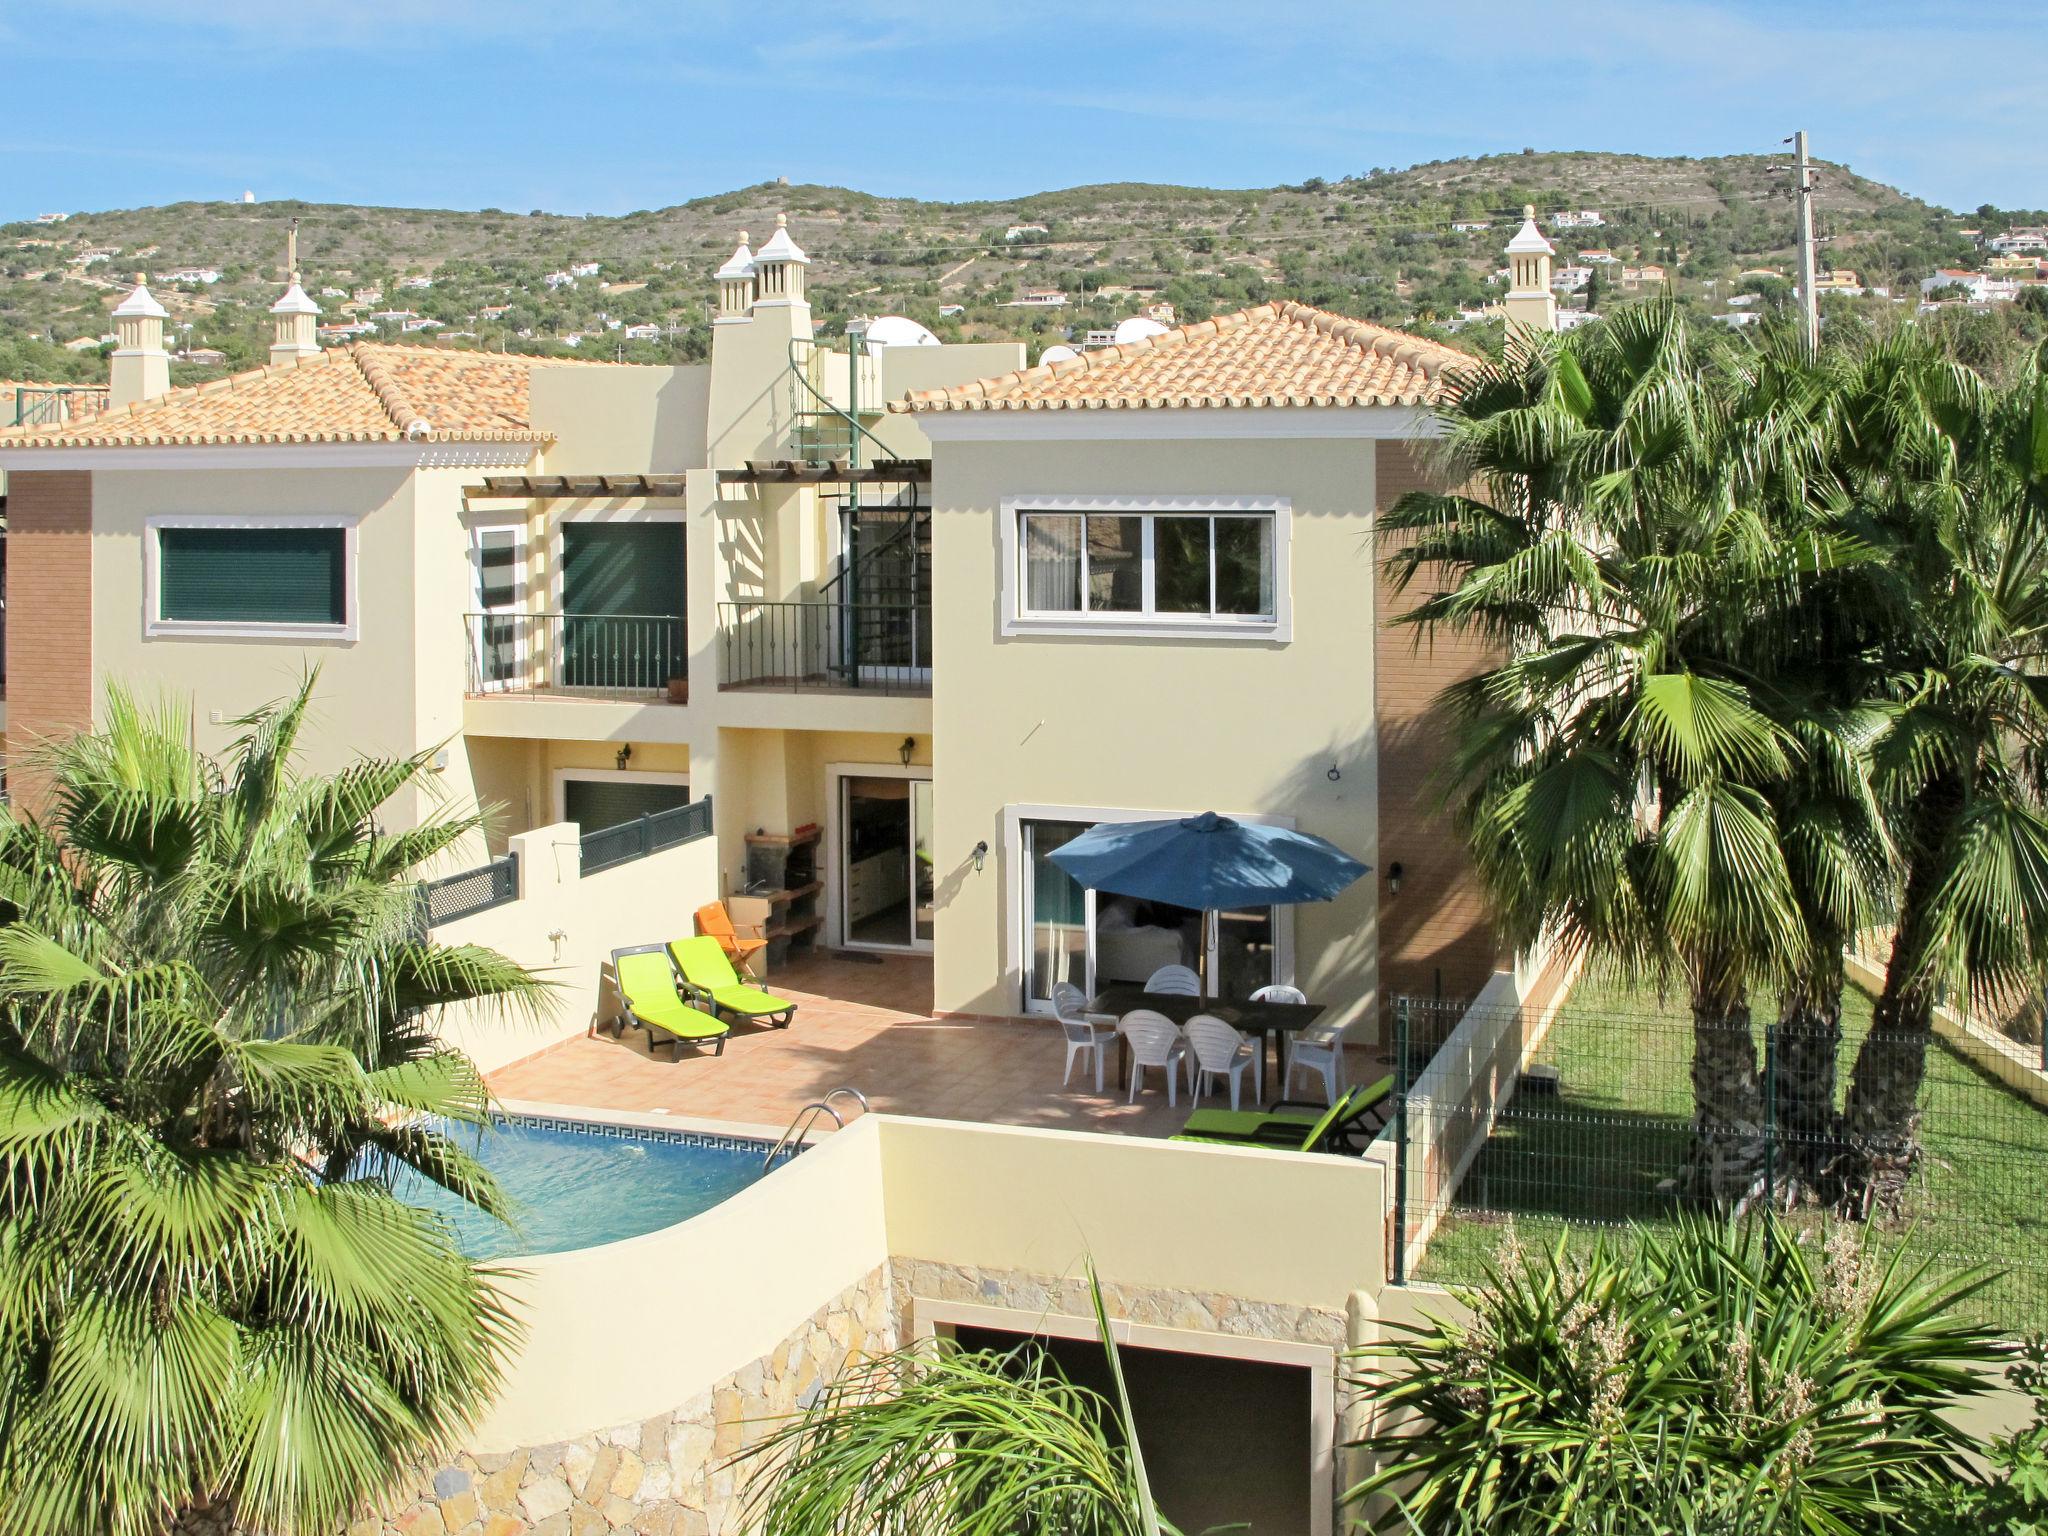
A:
(216, 1055)
(1616, 772)
(1953, 480)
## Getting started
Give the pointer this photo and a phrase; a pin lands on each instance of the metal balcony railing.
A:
(883, 648)
(50, 405)
(622, 656)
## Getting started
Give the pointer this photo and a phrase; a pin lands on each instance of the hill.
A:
(1379, 245)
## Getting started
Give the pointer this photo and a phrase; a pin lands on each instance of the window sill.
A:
(1150, 627)
(207, 629)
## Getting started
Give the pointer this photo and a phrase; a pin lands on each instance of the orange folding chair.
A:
(714, 922)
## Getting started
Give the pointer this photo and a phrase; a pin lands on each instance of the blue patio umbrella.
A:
(1208, 862)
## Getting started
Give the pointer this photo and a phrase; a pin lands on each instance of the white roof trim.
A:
(1180, 424)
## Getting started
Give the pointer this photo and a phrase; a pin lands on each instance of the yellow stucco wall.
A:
(1173, 726)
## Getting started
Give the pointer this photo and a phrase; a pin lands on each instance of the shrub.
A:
(1725, 1378)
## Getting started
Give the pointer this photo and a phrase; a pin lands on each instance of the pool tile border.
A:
(613, 1131)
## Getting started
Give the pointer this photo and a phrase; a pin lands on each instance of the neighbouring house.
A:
(416, 282)
(1570, 279)
(494, 311)
(206, 357)
(2014, 241)
(1579, 218)
(1600, 256)
(52, 218)
(418, 323)
(391, 316)
(372, 295)
(1471, 226)
(1019, 231)
(584, 268)
(1737, 319)
(1977, 287)
(559, 280)
(1038, 298)
(1637, 277)
(648, 332)
(952, 309)
(205, 276)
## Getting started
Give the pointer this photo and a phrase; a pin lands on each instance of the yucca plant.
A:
(216, 1050)
(936, 1440)
(1722, 1378)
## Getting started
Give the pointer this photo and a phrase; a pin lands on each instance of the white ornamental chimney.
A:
(1530, 303)
(779, 269)
(736, 283)
(141, 368)
(292, 321)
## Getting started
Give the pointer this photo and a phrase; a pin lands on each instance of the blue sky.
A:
(611, 105)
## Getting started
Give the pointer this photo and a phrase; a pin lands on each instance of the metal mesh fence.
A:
(1615, 1109)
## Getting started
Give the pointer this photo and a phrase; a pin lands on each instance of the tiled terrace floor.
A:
(861, 1024)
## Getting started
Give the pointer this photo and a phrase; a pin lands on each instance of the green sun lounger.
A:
(647, 988)
(710, 978)
(1345, 1126)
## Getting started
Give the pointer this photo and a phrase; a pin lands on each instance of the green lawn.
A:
(1593, 1155)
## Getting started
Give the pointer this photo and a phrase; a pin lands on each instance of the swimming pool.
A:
(579, 1183)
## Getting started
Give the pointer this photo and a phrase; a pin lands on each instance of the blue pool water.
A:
(575, 1184)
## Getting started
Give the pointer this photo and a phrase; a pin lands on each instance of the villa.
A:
(851, 640)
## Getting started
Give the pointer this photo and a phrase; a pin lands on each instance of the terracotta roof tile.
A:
(366, 393)
(1275, 354)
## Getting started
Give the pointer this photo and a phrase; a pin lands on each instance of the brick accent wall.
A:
(49, 617)
(1435, 934)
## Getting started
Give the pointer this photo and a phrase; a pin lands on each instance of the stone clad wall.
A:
(671, 1475)
(665, 1476)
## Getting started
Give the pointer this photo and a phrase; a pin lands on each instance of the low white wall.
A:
(1455, 1102)
(565, 927)
(1263, 1226)
(631, 1329)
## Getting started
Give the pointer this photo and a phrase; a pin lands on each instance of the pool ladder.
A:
(807, 1117)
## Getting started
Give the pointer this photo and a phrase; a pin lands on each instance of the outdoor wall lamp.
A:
(625, 756)
(1394, 878)
(907, 750)
(980, 855)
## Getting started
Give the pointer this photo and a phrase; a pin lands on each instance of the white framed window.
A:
(251, 577)
(499, 625)
(1181, 566)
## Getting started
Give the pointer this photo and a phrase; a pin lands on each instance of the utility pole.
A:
(1802, 190)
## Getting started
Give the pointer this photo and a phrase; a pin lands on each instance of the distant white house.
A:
(346, 330)
(2014, 241)
(643, 333)
(1471, 226)
(333, 293)
(584, 268)
(416, 281)
(368, 295)
(952, 309)
(1577, 218)
(205, 357)
(1635, 277)
(419, 323)
(1038, 298)
(1572, 319)
(52, 218)
(573, 339)
(1019, 231)
(494, 311)
(1738, 319)
(1742, 301)
(207, 275)
(91, 258)
(560, 280)
(392, 316)
(1570, 279)
(1600, 255)
(1978, 287)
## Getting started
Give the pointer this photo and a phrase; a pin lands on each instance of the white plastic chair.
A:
(1320, 1050)
(1156, 1041)
(1217, 1050)
(1174, 981)
(1087, 1035)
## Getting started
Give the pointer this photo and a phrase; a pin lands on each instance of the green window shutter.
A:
(253, 575)
(623, 568)
(594, 804)
(622, 595)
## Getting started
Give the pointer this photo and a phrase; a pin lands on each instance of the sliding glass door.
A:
(886, 889)
(1098, 939)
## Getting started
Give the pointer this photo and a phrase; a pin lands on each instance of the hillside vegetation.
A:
(1378, 245)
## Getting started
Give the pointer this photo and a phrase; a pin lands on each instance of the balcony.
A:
(634, 658)
(878, 649)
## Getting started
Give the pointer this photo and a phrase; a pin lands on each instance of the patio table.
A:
(1265, 1020)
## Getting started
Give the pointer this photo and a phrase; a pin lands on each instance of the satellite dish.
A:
(1137, 328)
(899, 331)
(1058, 352)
